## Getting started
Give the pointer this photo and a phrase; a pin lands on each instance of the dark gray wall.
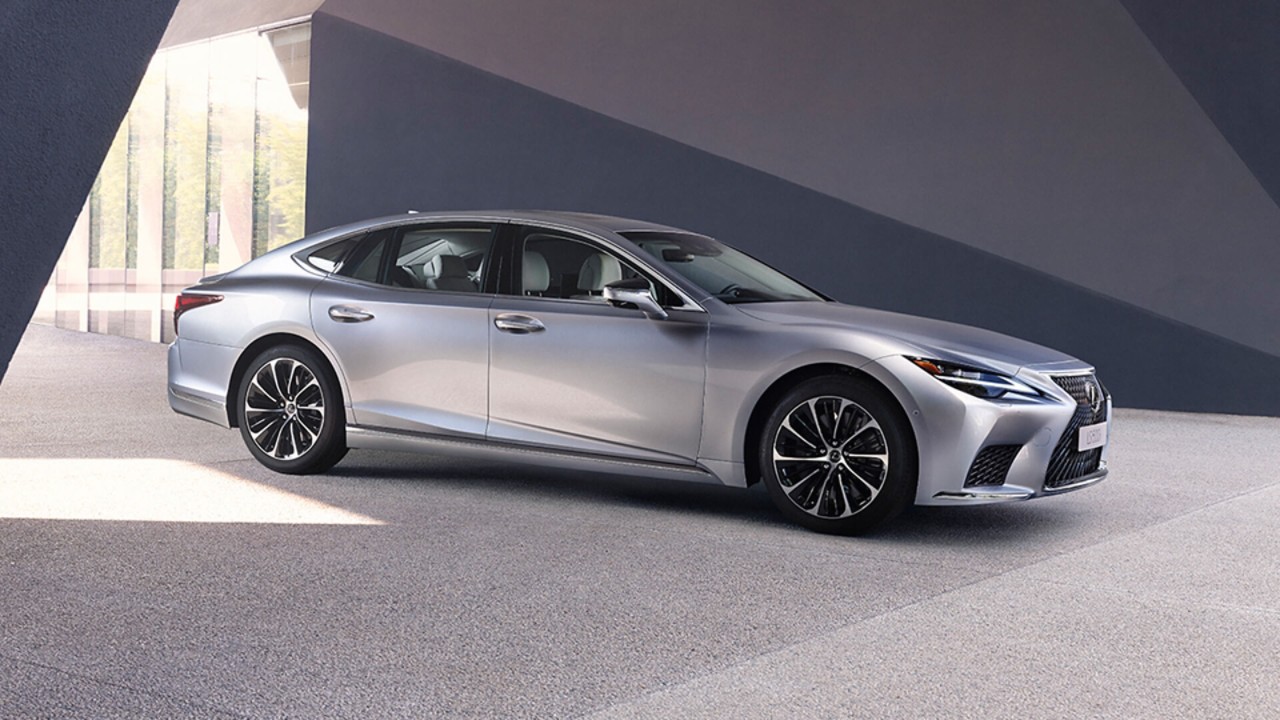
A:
(1051, 133)
(69, 70)
(395, 126)
(1227, 52)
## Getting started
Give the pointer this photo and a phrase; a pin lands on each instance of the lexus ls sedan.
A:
(585, 341)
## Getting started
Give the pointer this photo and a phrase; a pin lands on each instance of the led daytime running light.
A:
(979, 383)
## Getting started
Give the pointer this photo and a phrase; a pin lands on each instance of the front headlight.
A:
(976, 382)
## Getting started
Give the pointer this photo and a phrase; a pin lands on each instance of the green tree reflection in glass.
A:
(108, 206)
(280, 139)
(185, 157)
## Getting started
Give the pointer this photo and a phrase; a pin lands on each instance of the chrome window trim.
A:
(590, 303)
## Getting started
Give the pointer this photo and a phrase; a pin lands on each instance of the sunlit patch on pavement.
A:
(154, 490)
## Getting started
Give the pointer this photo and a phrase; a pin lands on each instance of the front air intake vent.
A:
(991, 466)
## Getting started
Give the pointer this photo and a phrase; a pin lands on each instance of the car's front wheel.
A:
(836, 455)
(291, 411)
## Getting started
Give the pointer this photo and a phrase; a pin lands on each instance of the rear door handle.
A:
(518, 324)
(348, 314)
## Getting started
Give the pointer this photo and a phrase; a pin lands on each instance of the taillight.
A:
(190, 301)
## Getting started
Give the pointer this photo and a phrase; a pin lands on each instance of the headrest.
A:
(537, 276)
(597, 271)
(446, 266)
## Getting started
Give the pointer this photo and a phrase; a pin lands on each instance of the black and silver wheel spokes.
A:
(830, 457)
(284, 408)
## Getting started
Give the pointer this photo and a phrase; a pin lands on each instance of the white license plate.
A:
(1092, 436)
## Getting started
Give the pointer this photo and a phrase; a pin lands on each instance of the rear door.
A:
(407, 317)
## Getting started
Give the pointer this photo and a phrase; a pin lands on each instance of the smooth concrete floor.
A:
(149, 568)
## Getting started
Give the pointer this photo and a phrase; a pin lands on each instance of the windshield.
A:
(729, 275)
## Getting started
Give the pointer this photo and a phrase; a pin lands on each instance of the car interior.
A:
(452, 260)
(441, 259)
(560, 267)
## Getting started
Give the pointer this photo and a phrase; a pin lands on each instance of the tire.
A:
(837, 456)
(290, 411)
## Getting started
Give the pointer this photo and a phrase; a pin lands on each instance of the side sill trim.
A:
(375, 438)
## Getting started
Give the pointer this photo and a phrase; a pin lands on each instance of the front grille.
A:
(1067, 464)
(991, 465)
(1077, 386)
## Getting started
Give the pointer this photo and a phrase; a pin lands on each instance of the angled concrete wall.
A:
(395, 125)
(1051, 133)
(1227, 54)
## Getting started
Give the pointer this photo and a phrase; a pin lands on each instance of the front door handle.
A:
(348, 314)
(518, 324)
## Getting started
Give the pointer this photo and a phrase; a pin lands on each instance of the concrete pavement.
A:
(150, 568)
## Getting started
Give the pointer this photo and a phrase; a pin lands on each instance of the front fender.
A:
(745, 361)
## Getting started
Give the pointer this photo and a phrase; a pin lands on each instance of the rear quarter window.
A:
(329, 258)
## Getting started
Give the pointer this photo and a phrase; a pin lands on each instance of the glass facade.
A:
(207, 171)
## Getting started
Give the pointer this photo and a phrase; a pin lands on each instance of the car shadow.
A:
(603, 488)
(985, 526)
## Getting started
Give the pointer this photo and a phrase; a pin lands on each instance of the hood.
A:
(935, 339)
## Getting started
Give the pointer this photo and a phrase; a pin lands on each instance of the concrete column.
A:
(234, 79)
(148, 119)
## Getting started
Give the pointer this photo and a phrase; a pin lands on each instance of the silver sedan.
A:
(586, 341)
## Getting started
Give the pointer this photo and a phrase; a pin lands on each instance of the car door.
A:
(408, 322)
(571, 371)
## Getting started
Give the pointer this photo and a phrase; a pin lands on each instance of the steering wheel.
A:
(730, 289)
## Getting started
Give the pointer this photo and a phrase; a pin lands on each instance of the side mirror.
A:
(636, 292)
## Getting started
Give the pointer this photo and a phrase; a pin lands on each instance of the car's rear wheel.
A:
(291, 411)
(836, 455)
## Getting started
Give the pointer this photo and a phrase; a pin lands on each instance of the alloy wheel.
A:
(830, 457)
(284, 408)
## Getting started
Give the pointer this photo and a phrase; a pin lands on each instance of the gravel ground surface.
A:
(149, 568)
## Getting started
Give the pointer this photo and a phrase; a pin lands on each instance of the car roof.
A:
(582, 220)
(607, 222)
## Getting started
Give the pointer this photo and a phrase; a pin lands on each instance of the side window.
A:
(329, 258)
(449, 258)
(559, 266)
(365, 262)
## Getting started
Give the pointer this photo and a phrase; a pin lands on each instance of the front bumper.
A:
(952, 428)
(989, 495)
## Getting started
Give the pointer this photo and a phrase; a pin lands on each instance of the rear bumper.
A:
(194, 388)
(199, 408)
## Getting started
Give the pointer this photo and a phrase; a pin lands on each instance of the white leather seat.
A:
(448, 272)
(597, 271)
(537, 276)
